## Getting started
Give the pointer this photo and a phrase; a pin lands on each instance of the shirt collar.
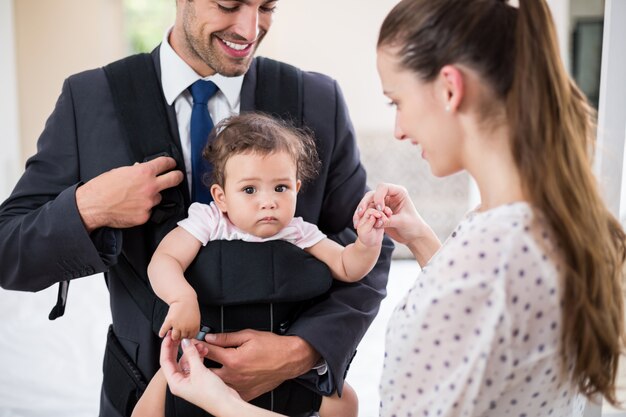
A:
(177, 76)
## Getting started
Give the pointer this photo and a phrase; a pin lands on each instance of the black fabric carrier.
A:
(239, 284)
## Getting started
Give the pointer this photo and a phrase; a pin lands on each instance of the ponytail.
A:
(553, 135)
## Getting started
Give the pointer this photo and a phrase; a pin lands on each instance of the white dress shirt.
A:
(176, 77)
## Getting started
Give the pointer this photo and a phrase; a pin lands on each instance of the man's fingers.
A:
(161, 164)
(169, 180)
(232, 339)
(218, 354)
(159, 168)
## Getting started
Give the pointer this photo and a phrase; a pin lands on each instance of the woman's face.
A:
(421, 115)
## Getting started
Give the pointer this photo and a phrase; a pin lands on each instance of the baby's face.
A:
(260, 192)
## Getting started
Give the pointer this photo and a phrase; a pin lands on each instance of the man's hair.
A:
(261, 134)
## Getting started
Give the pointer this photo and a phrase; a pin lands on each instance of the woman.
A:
(520, 311)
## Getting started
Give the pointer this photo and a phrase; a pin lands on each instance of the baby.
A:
(259, 164)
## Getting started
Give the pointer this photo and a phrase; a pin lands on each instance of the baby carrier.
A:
(239, 284)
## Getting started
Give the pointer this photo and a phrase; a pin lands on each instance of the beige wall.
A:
(55, 39)
(337, 38)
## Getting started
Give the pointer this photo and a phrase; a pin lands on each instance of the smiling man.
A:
(117, 166)
(220, 36)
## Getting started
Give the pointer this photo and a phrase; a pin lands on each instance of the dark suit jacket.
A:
(43, 241)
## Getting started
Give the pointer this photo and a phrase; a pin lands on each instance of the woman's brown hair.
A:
(552, 133)
(258, 133)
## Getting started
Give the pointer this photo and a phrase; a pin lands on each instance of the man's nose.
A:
(247, 24)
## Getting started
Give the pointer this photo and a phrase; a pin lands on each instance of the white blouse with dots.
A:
(479, 332)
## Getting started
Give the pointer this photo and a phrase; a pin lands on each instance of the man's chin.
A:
(235, 70)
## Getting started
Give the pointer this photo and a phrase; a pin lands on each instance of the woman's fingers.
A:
(191, 357)
(169, 350)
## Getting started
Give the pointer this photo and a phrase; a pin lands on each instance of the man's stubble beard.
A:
(213, 59)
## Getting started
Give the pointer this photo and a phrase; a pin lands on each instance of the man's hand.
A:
(256, 362)
(124, 197)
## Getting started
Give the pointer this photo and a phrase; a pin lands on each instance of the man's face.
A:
(221, 36)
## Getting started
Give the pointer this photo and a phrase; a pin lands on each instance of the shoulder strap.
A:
(139, 101)
(279, 90)
(140, 105)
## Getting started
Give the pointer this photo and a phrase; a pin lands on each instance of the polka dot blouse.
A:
(479, 332)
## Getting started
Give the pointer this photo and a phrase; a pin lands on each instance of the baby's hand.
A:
(365, 209)
(183, 318)
(370, 227)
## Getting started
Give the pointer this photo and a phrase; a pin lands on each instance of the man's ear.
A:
(219, 197)
(453, 85)
(298, 185)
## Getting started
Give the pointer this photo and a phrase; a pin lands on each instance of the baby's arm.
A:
(166, 273)
(354, 261)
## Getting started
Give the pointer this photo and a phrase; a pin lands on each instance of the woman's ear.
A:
(219, 197)
(453, 87)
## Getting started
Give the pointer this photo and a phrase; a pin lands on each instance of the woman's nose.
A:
(398, 133)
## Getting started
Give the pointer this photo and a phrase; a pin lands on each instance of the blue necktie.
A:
(201, 125)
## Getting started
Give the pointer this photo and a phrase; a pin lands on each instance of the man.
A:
(83, 206)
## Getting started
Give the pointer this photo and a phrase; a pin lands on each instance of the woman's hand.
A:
(192, 381)
(404, 224)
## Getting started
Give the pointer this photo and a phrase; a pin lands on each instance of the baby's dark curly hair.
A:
(259, 133)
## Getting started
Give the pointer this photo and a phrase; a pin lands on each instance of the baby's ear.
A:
(219, 197)
(298, 185)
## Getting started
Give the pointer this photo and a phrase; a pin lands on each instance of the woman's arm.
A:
(152, 401)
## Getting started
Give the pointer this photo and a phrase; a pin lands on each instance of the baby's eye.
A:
(249, 190)
(280, 188)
